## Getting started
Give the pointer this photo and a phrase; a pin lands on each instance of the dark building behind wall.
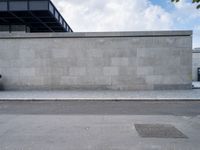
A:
(31, 16)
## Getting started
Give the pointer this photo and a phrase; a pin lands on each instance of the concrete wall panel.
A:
(114, 61)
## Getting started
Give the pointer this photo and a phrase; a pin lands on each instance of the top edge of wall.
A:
(97, 34)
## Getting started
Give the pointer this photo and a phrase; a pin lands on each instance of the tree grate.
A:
(158, 131)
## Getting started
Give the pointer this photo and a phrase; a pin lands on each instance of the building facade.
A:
(31, 16)
(107, 61)
(196, 63)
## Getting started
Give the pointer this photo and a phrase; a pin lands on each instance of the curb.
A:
(100, 99)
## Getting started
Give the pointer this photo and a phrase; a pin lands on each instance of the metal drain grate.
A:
(158, 131)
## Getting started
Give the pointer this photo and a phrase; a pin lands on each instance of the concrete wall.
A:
(115, 61)
(196, 64)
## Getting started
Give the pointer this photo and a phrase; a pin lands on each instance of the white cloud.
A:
(196, 39)
(114, 15)
(185, 11)
(129, 15)
(186, 16)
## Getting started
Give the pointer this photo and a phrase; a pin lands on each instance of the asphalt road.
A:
(182, 108)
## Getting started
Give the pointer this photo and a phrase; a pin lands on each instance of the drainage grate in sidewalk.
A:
(158, 131)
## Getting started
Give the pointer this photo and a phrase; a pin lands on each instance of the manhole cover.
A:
(158, 131)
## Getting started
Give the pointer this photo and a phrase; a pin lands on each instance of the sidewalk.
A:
(97, 132)
(102, 95)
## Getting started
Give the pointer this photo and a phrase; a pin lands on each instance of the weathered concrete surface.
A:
(114, 61)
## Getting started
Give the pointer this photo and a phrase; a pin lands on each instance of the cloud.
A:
(196, 39)
(186, 16)
(129, 15)
(185, 11)
(114, 15)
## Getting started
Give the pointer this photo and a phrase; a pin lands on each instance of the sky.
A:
(131, 15)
